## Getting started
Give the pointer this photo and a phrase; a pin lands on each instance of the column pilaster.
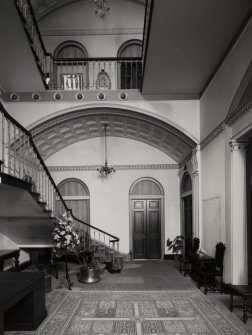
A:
(239, 262)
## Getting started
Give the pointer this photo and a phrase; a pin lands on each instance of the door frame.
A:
(162, 216)
(183, 195)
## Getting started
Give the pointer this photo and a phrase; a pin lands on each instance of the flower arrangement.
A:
(64, 236)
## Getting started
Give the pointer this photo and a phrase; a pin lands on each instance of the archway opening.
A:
(146, 204)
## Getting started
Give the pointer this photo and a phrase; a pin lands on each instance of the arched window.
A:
(130, 71)
(70, 49)
(76, 195)
(70, 70)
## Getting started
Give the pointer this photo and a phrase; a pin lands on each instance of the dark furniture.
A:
(209, 272)
(244, 291)
(8, 254)
(187, 260)
(22, 300)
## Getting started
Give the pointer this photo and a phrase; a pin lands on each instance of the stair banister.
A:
(37, 165)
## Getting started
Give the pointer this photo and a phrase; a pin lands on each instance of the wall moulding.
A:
(117, 167)
(240, 112)
(92, 32)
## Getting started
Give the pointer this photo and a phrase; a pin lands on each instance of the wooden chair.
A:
(209, 274)
(188, 260)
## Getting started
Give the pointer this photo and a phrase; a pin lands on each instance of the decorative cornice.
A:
(239, 112)
(117, 167)
(216, 132)
(243, 109)
(92, 32)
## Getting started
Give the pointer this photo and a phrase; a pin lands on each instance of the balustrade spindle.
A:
(19, 153)
(9, 150)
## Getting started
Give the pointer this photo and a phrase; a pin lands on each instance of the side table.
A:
(245, 291)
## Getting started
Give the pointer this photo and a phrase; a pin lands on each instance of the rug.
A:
(136, 313)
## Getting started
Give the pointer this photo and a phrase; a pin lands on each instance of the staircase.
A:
(27, 200)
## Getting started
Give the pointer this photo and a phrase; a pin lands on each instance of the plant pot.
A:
(89, 275)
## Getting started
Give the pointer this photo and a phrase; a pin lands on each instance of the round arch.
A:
(146, 219)
(62, 130)
(134, 47)
(73, 49)
(77, 197)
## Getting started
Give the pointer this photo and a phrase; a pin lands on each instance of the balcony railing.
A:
(95, 74)
(78, 74)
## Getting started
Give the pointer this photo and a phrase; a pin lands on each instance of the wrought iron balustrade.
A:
(95, 73)
(78, 74)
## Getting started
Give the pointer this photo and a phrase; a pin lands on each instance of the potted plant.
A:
(90, 269)
(176, 245)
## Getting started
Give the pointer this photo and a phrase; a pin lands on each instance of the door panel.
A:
(146, 229)
(139, 229)
(188, 225)
(153, 229)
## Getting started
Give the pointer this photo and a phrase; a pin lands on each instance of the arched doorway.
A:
(76, 195)
(146, 197)
(186, 196)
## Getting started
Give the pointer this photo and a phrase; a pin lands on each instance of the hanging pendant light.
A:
(101, 8)
(106, 169)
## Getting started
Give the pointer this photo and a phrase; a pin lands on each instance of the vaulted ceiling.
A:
(59, 132)
(43, 8)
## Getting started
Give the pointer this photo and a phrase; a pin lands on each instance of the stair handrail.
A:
(43, 67)
(18, 125)
(90, 226)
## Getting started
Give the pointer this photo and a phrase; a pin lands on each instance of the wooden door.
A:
(146, 229)
(188, 224)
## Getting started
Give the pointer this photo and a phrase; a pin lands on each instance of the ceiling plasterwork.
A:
(62, 131)
(43, 8)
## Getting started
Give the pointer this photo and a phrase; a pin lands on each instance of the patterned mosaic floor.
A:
(136, 313)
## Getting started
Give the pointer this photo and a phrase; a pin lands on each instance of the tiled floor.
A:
(145, 276)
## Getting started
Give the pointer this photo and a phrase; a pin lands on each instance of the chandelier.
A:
(105, 169)
(101, 8)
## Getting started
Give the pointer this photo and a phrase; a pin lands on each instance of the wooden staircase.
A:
(29, 220)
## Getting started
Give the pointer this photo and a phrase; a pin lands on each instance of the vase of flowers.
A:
(66, 241)
(65, 238)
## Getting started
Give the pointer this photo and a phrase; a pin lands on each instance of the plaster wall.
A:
(183, 115)
(213, 195)
(81, 15)
(217, 99)
(109, 197)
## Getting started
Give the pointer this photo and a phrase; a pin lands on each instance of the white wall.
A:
(81, 15)
(213, 194)
(216, 101)
(109, 197)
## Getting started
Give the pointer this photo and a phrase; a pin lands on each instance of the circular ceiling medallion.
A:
(123, 96)
(14, 96)
(101, 96)
(36, 96)
(57, 96)
(79, 96)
